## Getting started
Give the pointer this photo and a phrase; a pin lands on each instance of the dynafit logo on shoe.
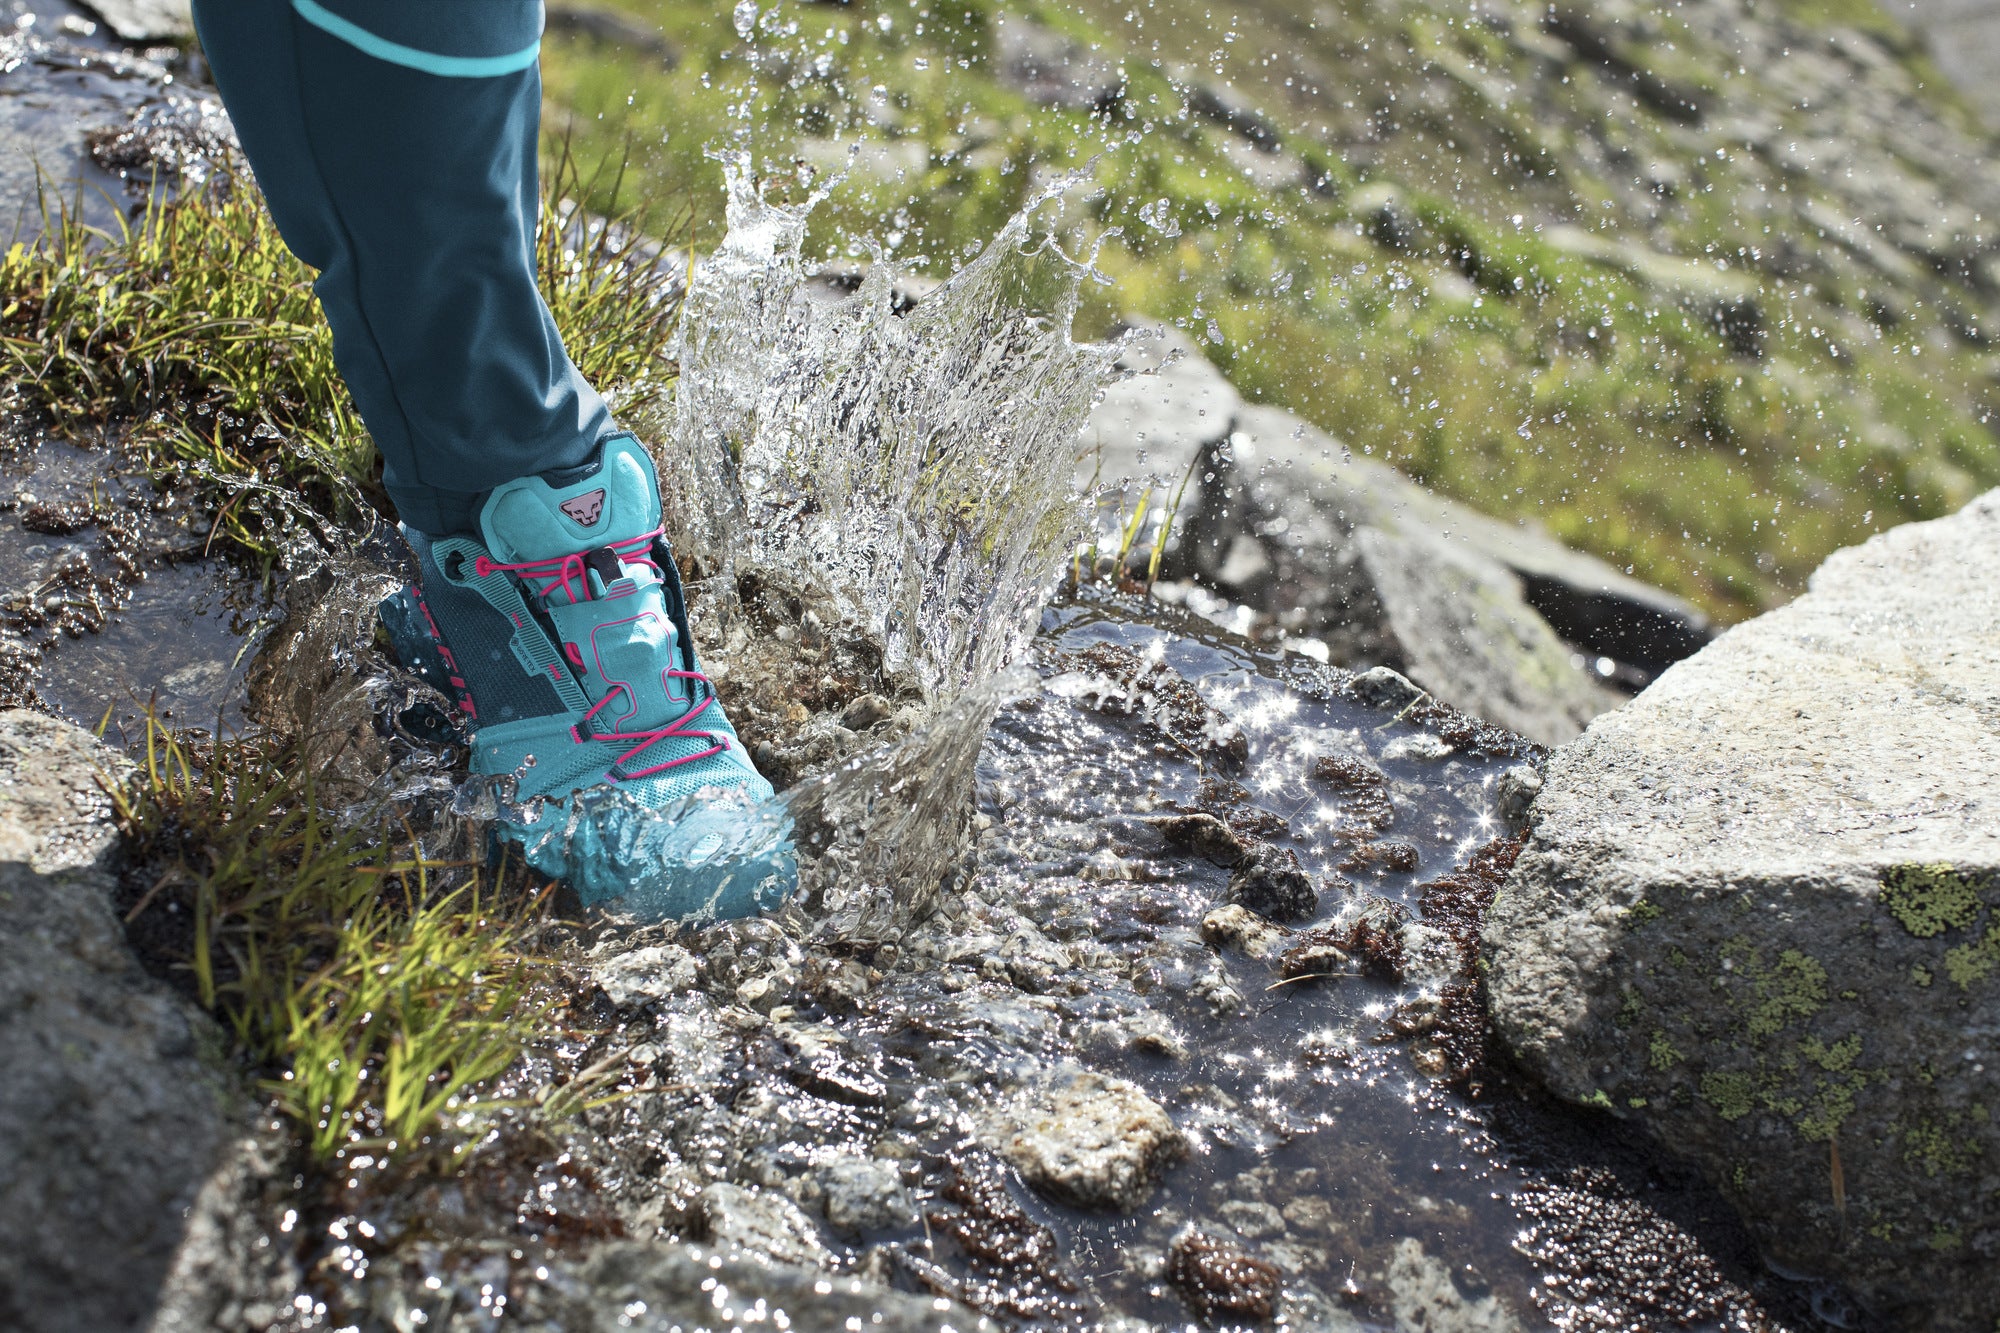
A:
(585, 509)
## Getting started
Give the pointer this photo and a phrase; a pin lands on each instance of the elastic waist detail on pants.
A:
(410, 57)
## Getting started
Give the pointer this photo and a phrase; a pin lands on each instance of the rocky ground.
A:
(1193, 1029)
(1192, 1038)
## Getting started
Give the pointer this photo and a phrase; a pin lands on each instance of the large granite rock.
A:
(1492, 617)
(146, 20)
(1759, 913)
(111, 1119)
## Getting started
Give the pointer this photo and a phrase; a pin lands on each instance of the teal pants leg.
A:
(395, 142)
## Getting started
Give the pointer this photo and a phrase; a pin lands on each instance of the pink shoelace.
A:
(561, 572)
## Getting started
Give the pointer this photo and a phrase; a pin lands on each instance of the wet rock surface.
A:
(89, 114)
(1089, 1141)
(115, 1108)
(1756, 914)
(109, 599)
(1495, 618)
(1067, 1097)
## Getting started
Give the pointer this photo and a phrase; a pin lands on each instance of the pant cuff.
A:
(439, 513)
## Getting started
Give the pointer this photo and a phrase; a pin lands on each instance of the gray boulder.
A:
(1759, 914)
(1963, 37)
(111, 1119)
(146, 20)
(1493, 617)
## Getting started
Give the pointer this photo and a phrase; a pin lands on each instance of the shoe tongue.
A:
(537, 518)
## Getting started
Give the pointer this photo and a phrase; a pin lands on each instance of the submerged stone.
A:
(1089, 1140)
(1427, 1300)
(1759, 913)
(656, 972)
(1233, 926)
(1221, 1282)
(1205, 836)
(863, 1194)
(1274, 885)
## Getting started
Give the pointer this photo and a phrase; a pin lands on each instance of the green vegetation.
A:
(1941, 1148)
(1733, 1095)
(378, 989)
(1795, 988)
(1973, 961)
(1661, 1053)
(1479, 282)
(196, 327)
(1929, 900)
(376, 996)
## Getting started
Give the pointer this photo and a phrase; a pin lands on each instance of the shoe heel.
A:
(410, 638)
(417, 651)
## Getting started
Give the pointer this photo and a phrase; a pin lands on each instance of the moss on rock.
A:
(1940, 1147)
(1972, 962)
(1928, 900)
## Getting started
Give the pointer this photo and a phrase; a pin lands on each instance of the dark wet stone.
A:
(58, 520)
(1205, 836)
(1372, 936)
(1397, 857)
(1233, 926)
(1384, 688)
(1221, 1282)
(865, 712)
(189, 137)
(1274, 885)
(1515, 791)
(1318, 957)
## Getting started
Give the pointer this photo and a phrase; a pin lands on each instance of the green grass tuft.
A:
(375, 997)
(196, 326)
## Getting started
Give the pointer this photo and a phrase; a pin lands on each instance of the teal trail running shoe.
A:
(563, 635)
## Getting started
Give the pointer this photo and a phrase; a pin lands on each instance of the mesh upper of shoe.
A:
(477, 639)
(591, 640)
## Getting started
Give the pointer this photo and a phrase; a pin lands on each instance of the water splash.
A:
(917, 464)
(913, 465)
